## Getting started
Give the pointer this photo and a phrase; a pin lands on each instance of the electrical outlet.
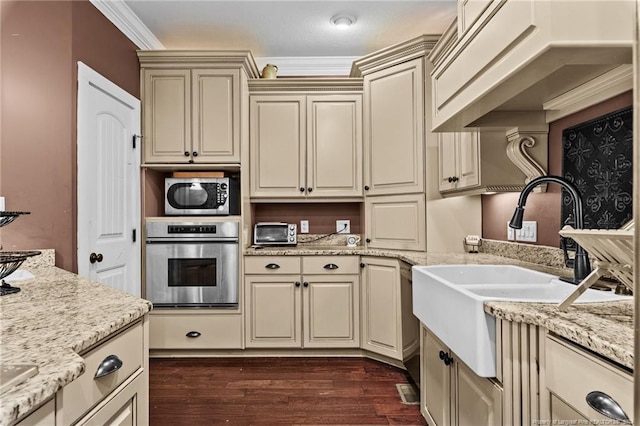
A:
(304, 226)
(511, 233)
(343, 226)
(529, 232)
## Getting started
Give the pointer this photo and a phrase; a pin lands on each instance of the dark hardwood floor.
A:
(277, 391)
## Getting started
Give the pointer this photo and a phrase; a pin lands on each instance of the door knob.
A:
(93, 257)
(186, 153)
(195, 153)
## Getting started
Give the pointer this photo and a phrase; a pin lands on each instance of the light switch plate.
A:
(529, 232)
(511, 233)
(304, 226)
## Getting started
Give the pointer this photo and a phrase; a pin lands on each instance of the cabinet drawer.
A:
(323, 264)
(86, 391)
(215, 331)
(262, 265)
(572, 373)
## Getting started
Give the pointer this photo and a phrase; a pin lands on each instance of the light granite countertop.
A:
(605, 327)
(54, 317)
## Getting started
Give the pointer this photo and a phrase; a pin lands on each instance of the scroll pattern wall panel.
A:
(597, 158)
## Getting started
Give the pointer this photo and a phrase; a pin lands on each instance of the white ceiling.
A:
(291, 29)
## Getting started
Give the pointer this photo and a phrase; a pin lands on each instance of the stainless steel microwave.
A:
(275, 234)
(201, 196)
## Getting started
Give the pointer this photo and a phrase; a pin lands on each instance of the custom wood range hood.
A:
(524, 63)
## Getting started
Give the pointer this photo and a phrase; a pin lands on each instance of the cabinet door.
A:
(124, 408)
(334, 146)
(331, 311)
(277, 149)
(447, 160)
(273, 311)
(478, 400)
(394, 129)
(396, 222)
(167, 115)
(468, 160)
(381, 316)
(436, 381)
(216, 116)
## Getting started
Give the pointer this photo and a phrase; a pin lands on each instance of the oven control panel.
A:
(192, 229)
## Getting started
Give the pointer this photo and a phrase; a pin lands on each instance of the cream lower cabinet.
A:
(302, 302)
(451, 393)
(306, 146)
(572, 373)
(396, 222)
(184, 329)
(389, 327)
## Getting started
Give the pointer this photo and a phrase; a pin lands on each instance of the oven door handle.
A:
(189, 241)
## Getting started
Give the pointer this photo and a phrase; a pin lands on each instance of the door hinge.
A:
(134, 140)
(133, 235)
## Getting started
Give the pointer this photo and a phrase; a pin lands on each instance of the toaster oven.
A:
(275, 234)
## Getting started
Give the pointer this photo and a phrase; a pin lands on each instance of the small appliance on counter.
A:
(207, 196)
(275, 234)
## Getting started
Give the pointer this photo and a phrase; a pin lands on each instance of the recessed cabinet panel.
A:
(396, 222)
(394, 127)
(274, 311)
(167, 115)
(436, 387)
(334, 145)
(478, 401)
(277, 149)
(215, 109)
(381, 316)
(468, 172)
(331, 317)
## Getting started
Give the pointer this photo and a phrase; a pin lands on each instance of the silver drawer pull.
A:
(331, 266)
(272, 266)
(109, 365)
(193, 334)
(607, 406)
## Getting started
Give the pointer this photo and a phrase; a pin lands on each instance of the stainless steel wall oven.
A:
(192, 264)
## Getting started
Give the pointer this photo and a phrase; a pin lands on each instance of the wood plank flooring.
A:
(277, 391)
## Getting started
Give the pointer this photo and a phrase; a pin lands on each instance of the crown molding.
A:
(401, 52)
(199, 59)
(601, 88)
(309, 66)
(306, 85)
(128, 23)
(445, 44)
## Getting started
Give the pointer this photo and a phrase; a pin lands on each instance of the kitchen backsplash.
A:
(321, 216)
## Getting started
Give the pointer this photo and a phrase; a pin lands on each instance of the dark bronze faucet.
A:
(580, 262)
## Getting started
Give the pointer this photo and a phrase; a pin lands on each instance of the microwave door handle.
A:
(190, 240)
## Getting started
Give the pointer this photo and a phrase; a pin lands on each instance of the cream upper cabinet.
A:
(394, 129)
(311, 302)
(191, 116)
(306, 146)
(395, 222)
(458, 160)
(475, 163)
(192, 102)
(388, 325)
(278, 146)
(451, 393)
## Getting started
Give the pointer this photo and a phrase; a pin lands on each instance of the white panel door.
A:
(108, 183)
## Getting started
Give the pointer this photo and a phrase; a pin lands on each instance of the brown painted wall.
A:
(41, 42)
(321, 216)
(544, 208)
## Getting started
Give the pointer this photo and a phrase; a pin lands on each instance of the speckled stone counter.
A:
(605, 328)
(54, 317)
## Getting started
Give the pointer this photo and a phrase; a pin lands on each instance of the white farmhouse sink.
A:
(449, 300)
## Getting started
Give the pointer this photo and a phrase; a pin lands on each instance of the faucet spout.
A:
(581, 266)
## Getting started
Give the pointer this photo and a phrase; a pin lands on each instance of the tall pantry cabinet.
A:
(394, 144)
